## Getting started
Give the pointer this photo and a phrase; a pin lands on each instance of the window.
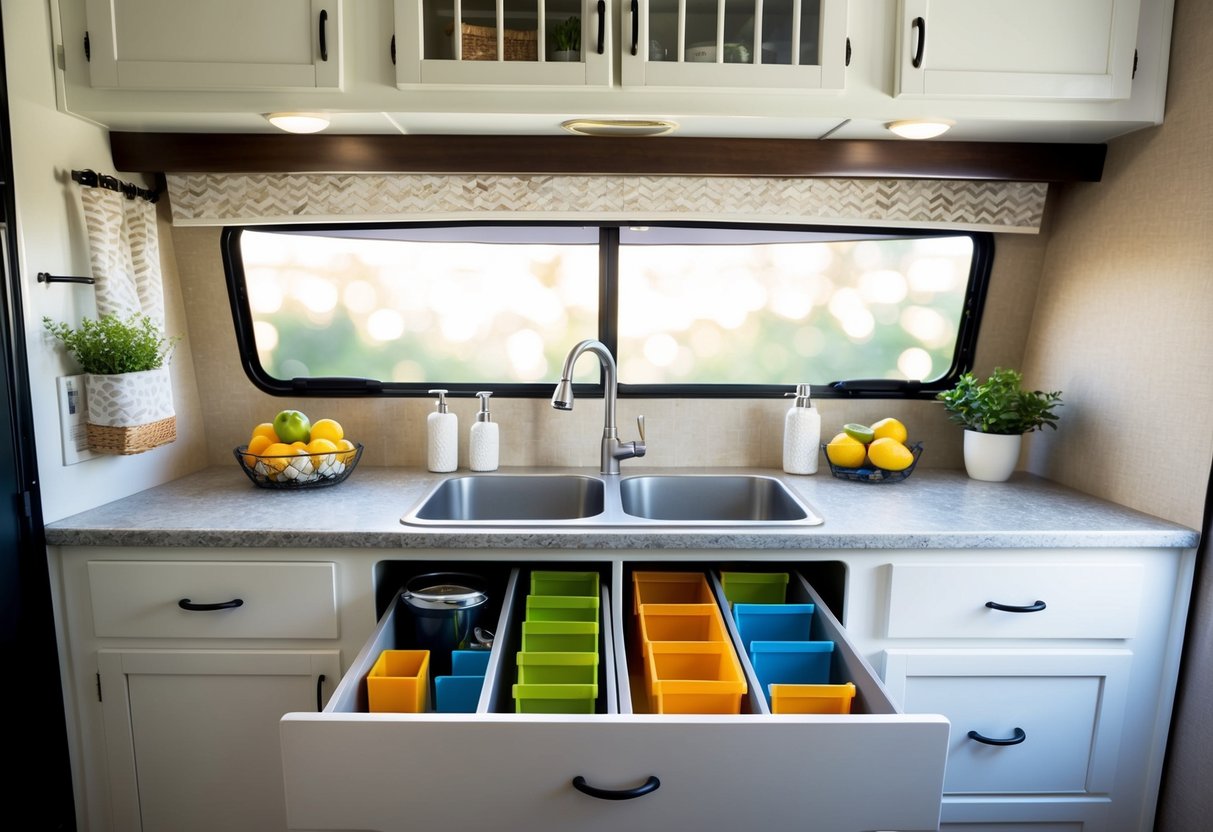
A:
(695, 310)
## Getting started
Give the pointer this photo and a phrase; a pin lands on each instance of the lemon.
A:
(323, 453)
(889, 454)
(347, 446)
(891, 429)
(329, 429)
(275, 458)
(256, 446)
(860, 433)
(267, 430)
(845, 451)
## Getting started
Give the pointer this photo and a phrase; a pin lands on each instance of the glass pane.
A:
(454, 304)
(567, 36)
(777, 31)
(721, 306)
(663, 30)
(810, 32)
(700, 37)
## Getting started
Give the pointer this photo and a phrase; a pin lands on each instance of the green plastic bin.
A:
(547, 582)
(557, 668)
(555, 699)
(559, 636)
(561, 608)
(755, 587)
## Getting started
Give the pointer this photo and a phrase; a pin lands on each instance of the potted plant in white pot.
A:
(996, 413)
(130, 396)
(566, 40)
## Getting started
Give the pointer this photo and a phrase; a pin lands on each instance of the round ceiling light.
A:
(920, 128)
(299, 122)
(619, 127)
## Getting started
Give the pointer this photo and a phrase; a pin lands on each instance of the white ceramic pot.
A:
(991, 456)
(129, 399)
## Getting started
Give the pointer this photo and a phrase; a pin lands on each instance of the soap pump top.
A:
(441, 404)
(483, 415)
(801, 433)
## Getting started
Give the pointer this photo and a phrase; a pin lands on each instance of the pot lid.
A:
(444, 590)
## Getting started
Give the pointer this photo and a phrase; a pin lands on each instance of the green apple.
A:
(292, 426)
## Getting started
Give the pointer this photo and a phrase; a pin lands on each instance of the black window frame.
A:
(608, 306)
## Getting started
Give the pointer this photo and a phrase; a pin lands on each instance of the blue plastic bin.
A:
(772, 622)
(791, 663)
(457, 694)
(469, 662)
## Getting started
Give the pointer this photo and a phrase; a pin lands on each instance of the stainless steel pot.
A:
(446, 609)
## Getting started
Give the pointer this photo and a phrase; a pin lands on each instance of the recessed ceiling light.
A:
(920, 128)
(619, 127)
(299, 122)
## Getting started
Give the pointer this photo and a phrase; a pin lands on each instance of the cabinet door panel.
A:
(192, 735)
(1078, 49)
(1069, 706)
(216, 45)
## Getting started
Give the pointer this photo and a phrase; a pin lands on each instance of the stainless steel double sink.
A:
(588, 501)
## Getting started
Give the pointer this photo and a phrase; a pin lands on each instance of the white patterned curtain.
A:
(124, 252)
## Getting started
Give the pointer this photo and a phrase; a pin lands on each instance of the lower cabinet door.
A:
(1023, 721)
(610, 770)
(192, 735)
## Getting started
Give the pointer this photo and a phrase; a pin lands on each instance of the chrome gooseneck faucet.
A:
(562, 399)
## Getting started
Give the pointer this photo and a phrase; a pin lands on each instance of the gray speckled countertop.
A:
(933, 509)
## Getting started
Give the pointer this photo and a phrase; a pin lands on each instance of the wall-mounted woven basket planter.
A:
(130, 413)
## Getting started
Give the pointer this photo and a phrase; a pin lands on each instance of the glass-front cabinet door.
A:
(771, 44)
(503, 42)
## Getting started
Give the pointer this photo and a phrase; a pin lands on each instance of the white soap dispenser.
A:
(442, 435)
(485, 439)
(801, 434)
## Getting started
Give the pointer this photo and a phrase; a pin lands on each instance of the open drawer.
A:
(875, 769)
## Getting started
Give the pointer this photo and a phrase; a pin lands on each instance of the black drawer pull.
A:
(320, 693)
(644, 788)
(1034, 607)
(636, 36)
(187, 604)
(921, 26)
(601, 27)
(323, 33)
(1017, 736)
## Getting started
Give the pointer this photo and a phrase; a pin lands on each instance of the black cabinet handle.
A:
(921, 26)
(601, 26)
(1017, 736)
(636, 36)
(320, 693)
(324, 46)
(644, 788)
(187, 604)
(1034, 607)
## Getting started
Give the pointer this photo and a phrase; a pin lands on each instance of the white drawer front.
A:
(1068, 706)
(363, 771)
(950, 600)
(144, 599)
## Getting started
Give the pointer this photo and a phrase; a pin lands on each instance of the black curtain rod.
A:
(92, 179)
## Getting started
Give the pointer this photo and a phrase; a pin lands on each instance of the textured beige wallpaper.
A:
(1122, 324)
(679, 432)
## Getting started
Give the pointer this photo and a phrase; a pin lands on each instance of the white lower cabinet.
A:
(873, 769)
(191, 735)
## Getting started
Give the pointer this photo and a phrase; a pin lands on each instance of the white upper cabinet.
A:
(771, 44)
(504, 42)
(216, 45)
(1039, 49)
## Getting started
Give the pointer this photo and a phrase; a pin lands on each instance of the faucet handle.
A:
(640, 426)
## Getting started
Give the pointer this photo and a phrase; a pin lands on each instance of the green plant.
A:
(999, 404)
(567, 35)
(110, 345)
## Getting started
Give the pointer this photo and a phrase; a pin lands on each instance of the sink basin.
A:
(563, 500)
(510, 499)
(715, 499)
